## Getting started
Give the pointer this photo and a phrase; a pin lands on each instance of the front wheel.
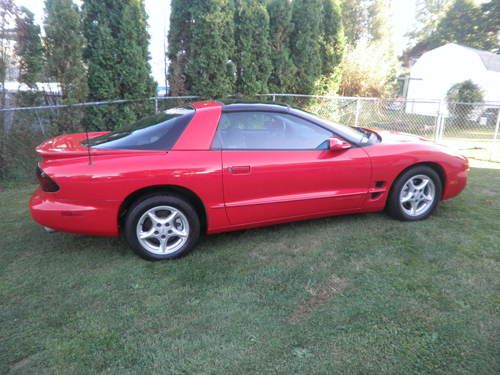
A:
(415, 194)
(162, 227)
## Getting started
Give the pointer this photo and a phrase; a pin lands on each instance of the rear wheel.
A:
(415, 194)
(162, 227)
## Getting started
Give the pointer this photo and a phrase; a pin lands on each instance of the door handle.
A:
(239, 169)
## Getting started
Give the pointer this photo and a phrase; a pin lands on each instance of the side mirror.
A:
(337, 144)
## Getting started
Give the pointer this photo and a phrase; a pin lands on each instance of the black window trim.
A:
(286, 111)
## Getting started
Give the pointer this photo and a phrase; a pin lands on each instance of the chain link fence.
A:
(23, 128)
(472, 129)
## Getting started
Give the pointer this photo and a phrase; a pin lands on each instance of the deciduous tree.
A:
(28, 48)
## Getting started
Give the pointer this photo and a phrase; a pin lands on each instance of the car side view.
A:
(210, 168)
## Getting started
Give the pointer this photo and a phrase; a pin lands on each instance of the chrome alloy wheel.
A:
(162, 230)
(417, 195)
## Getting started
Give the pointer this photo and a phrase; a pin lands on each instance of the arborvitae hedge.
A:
(212, 47)
(117, 58)
(283, 69)
(305, 44)
(261, 45)
(253, 50)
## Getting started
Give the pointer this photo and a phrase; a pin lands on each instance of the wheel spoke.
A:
(155, 219)
(170, 218)
(179, 233)
(163, 244)
(148, 234)
(428, 197)
(406, 198)
(413, 208)
(423, 184)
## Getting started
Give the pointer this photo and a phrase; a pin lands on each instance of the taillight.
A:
(46, 183)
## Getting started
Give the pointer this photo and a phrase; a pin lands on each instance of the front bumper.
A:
(74, 217)
(455, 183)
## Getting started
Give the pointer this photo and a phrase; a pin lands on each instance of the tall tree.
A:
(380, 25)
(212, 46)
(29, 48)
(355, 19)
(64, 43)
(305, 45)
(332, 43)
(462, 22)
(117, 58)
(8, 13)
(252, 56)
(281, 26)
(179, 47)
(490, 25)
(428, 14)
(460, 25)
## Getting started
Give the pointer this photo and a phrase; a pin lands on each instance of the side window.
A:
(269, 131)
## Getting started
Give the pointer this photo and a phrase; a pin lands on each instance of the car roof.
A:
(243, 107)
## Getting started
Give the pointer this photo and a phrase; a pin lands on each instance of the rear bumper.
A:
(74, 217)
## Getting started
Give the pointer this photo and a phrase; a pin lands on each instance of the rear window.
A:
(157, 132)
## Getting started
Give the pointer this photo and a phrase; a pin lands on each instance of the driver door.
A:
(278, 166)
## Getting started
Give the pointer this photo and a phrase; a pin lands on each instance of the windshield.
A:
(351, 134)
(157, 132)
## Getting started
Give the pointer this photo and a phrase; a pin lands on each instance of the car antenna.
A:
(88, 141)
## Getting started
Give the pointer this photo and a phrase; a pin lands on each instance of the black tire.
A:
(394, 207)
(139, 208)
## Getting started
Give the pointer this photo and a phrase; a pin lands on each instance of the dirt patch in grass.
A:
(324, 292)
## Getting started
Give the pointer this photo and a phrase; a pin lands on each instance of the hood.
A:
(390, 136)
(69, 145)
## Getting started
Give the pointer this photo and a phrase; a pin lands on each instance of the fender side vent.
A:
(375, 195)
(380, 184)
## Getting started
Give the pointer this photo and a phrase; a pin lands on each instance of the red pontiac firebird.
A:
(211, 168)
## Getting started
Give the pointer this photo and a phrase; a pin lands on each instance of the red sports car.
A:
(211, 168)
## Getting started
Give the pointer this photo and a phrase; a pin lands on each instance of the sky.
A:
(159, 13)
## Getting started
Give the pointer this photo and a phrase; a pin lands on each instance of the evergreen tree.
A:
(212, 45)
(305, 45)
(281, 26)
(29, 48)
(355, 20)
(117, 58)
(64, 43)
(252, 57)
(332, 42)
(179, 46)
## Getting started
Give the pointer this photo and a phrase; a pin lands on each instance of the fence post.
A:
(358, 108)
(274, 97)
(156, 105)
(495, 136)
(437, 131)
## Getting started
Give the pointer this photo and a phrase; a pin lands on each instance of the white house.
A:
(437, 70)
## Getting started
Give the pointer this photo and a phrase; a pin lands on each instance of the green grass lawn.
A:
(353, 294)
